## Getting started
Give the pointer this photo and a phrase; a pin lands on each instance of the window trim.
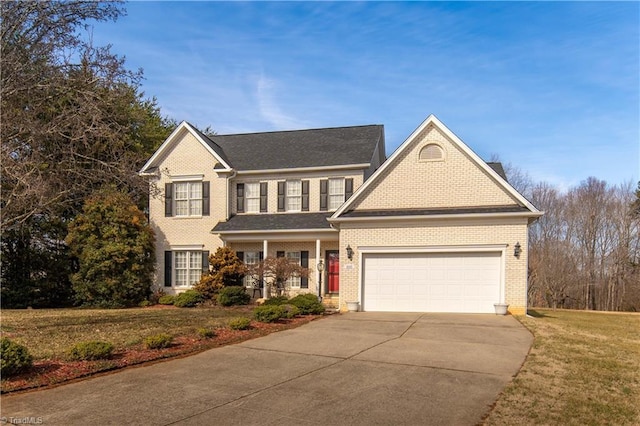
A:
(341, 194)
(255, 197)
(442, 157)
(174, 269)
(287, 197)
(189, 200)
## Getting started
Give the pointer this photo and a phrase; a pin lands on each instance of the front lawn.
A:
(49, 333)
(583, 369)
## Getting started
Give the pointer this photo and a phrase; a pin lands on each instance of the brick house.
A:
(431, 228)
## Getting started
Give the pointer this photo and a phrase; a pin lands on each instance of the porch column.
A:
(265, 247)
(318, 273)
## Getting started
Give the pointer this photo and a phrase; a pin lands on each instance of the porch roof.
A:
(244, 223)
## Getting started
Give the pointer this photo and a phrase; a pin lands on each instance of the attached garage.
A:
(468, 282)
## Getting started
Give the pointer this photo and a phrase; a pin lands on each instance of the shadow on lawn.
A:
(537, 314)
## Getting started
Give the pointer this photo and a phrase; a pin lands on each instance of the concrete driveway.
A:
(356, 368)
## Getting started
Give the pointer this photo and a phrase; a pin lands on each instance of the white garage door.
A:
(431, 282)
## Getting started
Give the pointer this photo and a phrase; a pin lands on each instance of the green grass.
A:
(583, 369)
(48, 333)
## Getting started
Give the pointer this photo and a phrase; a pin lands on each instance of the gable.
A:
(185, 156)
(433, 169)
(174, 150)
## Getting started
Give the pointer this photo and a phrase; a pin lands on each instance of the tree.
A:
(73, 119)
(279, 270)
(225, 270)
(114, 245)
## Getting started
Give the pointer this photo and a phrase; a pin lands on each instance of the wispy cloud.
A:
(269, 108)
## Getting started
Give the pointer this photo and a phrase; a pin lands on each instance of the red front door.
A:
(333, 271)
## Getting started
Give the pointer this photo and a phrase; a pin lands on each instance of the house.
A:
(431, 228)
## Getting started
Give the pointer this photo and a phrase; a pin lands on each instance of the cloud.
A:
(269, 108)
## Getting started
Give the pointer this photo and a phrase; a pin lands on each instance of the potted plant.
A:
(353, 306)
(501, 308)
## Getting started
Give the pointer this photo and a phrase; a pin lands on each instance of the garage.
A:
(431, 282)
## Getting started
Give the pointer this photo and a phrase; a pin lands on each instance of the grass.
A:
(583, 369)
(48, 333)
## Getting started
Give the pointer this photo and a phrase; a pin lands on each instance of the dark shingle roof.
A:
(274, 222)
(300, 148)
(497, 167)
(438, 211)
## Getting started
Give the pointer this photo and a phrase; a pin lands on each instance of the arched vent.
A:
(432, 152)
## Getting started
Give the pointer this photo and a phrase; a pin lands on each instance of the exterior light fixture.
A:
(349, 252)
(517, 250)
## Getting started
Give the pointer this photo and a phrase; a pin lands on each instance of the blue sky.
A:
(551, 87)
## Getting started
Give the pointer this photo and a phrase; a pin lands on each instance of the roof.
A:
(300, 148)
(436, 211)
(432, 120)
(497, 167)
(274, 222)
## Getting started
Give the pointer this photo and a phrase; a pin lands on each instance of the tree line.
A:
(74, 121)
(584, 253)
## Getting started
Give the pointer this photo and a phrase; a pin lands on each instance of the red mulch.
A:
(51, 372)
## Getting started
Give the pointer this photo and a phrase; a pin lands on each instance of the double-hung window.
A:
(294, 195)
(336, 193)
(251, 258)
(294, 257)
(188, 198)
(252, 196)
(188, 267)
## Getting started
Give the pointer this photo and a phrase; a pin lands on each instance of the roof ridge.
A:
(300, 130)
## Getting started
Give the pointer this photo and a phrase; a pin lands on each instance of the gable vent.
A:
(431, 152)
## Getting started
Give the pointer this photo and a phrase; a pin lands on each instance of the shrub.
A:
(290, 311)
(206, 333)
(240, 323)
(145, 303)
(188, 299)
(308, 304)
(278, 300)
(166, 299)
(158, 341)
(226, 270)
(269, 313)
(115, 250)
(234, 295)
(88, 351)
(14, 357)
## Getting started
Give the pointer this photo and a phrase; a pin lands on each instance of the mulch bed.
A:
(51, 372)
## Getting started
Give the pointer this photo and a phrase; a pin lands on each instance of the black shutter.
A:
(263, 197)
(324, 198)
(304, 262)
(261, 256)
(240, 255)
(281, 189)
(168, 269)
(348, 188)
(205, 198)
(305, 195)
(205, 260)
(240, 197)
(168, 198)
(279, 254)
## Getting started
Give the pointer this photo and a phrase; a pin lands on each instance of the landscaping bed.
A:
(48, 334)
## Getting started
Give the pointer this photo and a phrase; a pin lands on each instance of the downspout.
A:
(228, 191)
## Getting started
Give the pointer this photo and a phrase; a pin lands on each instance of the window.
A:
(188, 198)
(294, 196)
(251, 258)
(431, 152)
(252, 195)
(188, 267)
(336, 193)
(294, 257)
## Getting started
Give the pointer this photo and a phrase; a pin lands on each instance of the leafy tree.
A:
(73, 119)
(225, 270)
(114, 245)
